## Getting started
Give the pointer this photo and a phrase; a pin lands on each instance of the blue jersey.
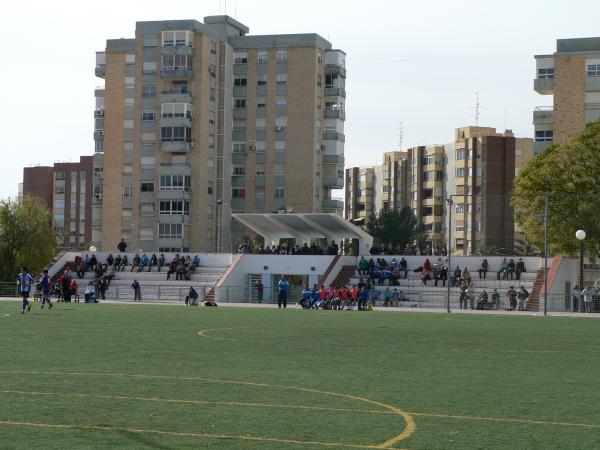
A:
(45, 282)
(306, 294)
(25, 281)
(314, 294)
(283, 286)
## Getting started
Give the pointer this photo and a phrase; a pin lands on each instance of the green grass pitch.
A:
(138, 376)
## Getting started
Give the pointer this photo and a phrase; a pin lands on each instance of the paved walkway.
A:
(377, 308)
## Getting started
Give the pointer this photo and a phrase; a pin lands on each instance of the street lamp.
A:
(580, 234)
(450, 203)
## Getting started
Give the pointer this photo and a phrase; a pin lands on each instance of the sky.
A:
(415, 63)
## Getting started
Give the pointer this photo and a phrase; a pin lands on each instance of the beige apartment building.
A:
(202, 120)
(476, 172)
(572, 76)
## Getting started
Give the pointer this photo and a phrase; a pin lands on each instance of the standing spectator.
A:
(465, 276)
(520, 268)
(471, 296)
(92, 263)
(90, 292)
(45, 286)
(137, 291)
(25, 281)
(456, 279)
(363, 299)
(192, 298)
(258, 286)
(427, 265)
(522, 296)
(483, 268)
(161, 262)
(510, 270)
(65, 282)
(73, 291)
(363, 266)
(80, 269)
(387, 297)
(153, 262)
(102, 287)
(283, 287)
(576, 294)
(512, 298)
(404, 267)
(122, 246)
(195, 263)
(462, 298)
(587, 295)
(444, 274)
(495, 299)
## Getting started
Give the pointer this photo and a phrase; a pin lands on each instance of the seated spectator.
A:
(196, 261)
(425, 274)
(161, 262)
(393, 262)
(124, 262)
(110, 261)
(192, 298)
(465, 276)
(363, 266)
(144, 262)
(495, 300)
(483, 269)
(90, 292)
(153, 262)
(172, 268)
(511, 294)
(510, 270)
(503, 269)
(522, 297)
(427, 265)
(482, 303)
(404, 267)
(457, 279)
(520, 268)
(136, 262)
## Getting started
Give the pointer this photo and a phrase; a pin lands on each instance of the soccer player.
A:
(283, 287)
(45, 284)
(25, 281)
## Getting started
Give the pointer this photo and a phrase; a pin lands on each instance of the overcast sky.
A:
(419, 63)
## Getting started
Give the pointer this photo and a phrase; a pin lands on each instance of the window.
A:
(281, 103)
(239, 171)
(59, 204)
(460, 208)
(177, 110)
(170, 231)
(128, 191)
(149, 91)
(177, 38)
(175, 183)
(544, 135)
(239, 148)
(593, 70)
(261, 79)
(240, 81)
(460, 172)
(518, 154)
(99, 146)
(60, 176)
(282, 55)
(240, 103)
(238, 193)
(59, 190)
(460, 154)
(279, 170)
(148, 116)
(176, 62)
(386, 189)
(262, 56)
(99, 124)
(546, 73)
(240, 57)
(178, 134)
(176, 207)
(147, 187)
(261, 105)
(282, 79)
(428, 160)
(279, 193)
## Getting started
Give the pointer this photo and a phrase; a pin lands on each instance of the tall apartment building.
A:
(371, 189)
(201, 120)
(572, 76)
(476, 171)
(66, 190)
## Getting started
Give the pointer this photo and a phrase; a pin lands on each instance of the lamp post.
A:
(450, 203)
(580, 234)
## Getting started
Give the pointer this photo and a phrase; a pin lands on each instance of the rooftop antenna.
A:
(225, 7)
(477, 108)
(235, 9)
(505, 117)
(400, 136)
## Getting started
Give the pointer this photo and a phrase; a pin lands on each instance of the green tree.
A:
(26, 236)
(393, 227)
(568, 174)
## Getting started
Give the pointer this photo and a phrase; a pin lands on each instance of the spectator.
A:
(462, 298)
(195, 262)
(161, 262)
(483, 268)
(587, 295)
(387, 297)
(192, 298)
(425, 275)
(576, 294)
(93, 262)
(136, 262)
(122, 246)
(124, 262)
(510, 270)
(65, 281)
(102, 287)
(427, 265)
(471, 297)
(511, 294)
(495, 299)
(465, 276)
(73, 288)
(110, 261)
(503, 269)
(144, 262)
(520, 268)
(137, 291)
(482, 303)
(456, 278)
(90, 292)
(522, 296)
(404, 267)
(444, 274)
(153, 262)
(80, 269)
(363, 266)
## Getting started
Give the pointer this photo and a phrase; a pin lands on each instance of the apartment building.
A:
(66, 190)
(572, 76)
(201, 120)
(359, 194)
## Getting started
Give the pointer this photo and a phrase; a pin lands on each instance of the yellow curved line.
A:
(408, 430)
(202, 333)
(181, 434)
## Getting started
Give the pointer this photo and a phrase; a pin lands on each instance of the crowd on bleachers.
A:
(313, 249)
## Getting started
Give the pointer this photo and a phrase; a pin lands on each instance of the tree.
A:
(568, 174)
(26, 236)
(393, 227)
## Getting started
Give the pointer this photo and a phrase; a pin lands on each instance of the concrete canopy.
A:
(304, 227)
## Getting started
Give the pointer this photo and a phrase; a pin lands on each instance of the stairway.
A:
(538, 290)
(344, 275)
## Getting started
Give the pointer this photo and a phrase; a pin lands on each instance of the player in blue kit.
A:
(24, 281)
(45, 286)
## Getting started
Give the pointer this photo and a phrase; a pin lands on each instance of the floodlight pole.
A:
(546, 255)
(449, 246)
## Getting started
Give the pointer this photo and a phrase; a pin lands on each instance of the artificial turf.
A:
(139, 376)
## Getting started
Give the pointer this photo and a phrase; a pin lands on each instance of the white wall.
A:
(567, 271)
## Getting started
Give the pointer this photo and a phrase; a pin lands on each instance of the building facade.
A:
(572, 76)
(476, 171)
(201, 120)
(66, 190)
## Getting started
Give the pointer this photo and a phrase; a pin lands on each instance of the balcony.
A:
(239, 113)
(335, 92)
(176, 97)
(544, 86)
(174, 73)
(176, 146)
(332, 204)
(333, 159)
(332, 113)
(177, 50)
(334, 136)
(100, 70)
(332, 69)
(592, 84)
(543, 114)
(99, 112)
(333, 182)
(540, 146)
(98, 135)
